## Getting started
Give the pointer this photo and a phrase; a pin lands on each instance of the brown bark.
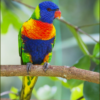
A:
(54, 71)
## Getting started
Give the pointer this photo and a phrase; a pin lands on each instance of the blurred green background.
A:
(66, 50)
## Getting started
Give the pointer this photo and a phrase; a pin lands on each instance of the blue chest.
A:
(38, 49)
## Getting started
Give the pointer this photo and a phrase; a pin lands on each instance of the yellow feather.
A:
(37, 12)
(27, 86)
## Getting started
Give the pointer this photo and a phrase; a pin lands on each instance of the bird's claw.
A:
(28, 67)
(45, 66)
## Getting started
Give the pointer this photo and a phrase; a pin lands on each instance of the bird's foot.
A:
(45, 66)
(28, 67)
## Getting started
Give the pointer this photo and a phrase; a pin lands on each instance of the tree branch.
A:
(8, 92)
(53, 71)
(78, 29)
(88, 25)
(24, 4)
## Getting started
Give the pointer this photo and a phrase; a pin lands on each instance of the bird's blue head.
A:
(46, 11)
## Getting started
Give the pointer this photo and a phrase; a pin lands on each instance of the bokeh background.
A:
(65, 52)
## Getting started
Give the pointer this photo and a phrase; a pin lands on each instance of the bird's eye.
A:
(49, 9)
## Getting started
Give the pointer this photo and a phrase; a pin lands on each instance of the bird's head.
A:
(46, 11)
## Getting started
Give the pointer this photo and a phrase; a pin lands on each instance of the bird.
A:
(36, 40)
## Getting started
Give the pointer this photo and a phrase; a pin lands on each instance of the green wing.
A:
(53, 42)
(25, 57)
(20, 42)
(50, 53)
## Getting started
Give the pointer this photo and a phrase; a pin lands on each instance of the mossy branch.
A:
(53, 71)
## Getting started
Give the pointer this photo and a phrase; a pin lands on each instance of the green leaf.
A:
(62, 80)
(91, 90)
(80, 42)
(96, 10)
(96, 53)
(8, 18)
(54, 78)
(83, 63)
(77, 92)
(14, 96)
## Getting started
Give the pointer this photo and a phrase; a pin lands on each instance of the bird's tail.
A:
(28, 83)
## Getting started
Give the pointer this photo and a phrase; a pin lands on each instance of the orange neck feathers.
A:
(35, 29)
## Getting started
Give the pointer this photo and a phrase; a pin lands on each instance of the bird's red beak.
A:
(57, 14)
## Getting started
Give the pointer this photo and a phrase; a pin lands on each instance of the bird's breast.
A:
(35, 29)
(38, 49)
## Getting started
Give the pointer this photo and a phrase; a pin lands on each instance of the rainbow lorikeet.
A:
(36, 40)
